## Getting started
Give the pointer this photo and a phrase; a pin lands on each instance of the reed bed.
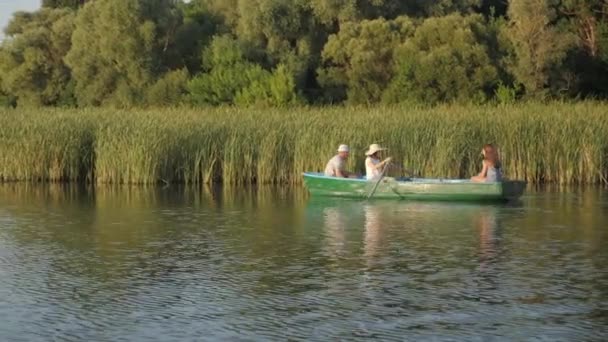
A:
(557, 142)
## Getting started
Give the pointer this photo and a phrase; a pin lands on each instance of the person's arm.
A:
(484, 170)
(378, 166)
(482, 175)
(340, 173)
(384, 162)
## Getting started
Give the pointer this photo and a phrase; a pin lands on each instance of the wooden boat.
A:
(414, 188)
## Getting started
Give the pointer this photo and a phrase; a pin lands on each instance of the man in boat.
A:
(336, 167)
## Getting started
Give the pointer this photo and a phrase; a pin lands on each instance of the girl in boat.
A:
(373, 165)
(490, 171)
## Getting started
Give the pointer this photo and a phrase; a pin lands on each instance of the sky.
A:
(8, 7)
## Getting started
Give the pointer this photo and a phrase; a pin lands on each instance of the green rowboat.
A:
(414, 188)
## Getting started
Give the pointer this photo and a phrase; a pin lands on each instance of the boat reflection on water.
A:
(335, 232)
(372, 240)
(489, 236)
(490, 251)
(412, 234)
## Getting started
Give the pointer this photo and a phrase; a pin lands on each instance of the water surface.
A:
(130, 264)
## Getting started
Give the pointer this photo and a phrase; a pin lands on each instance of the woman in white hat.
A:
(373, 165)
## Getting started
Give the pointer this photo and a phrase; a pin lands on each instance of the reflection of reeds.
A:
(55, 194)
(578, 212)
(557, 142)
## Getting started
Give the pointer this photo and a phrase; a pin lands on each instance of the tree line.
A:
(127, 53)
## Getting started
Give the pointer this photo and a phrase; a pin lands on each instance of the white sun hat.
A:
(373, 148)
(343, 148)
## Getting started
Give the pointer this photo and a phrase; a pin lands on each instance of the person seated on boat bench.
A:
(336, 167)
(373, 165)
(490, 171)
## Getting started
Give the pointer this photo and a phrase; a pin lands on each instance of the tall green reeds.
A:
(556, 142)
(48, 145)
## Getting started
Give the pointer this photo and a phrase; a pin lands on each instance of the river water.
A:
(169, 264)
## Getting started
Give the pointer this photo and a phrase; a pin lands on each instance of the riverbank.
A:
(541, 143)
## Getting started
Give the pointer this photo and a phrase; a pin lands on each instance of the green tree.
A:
(443, 7)
(199, 24)
(226, 10)
(493, 8)
(231, 78)
(31, 58)
(539, 48)
(6, 100)
(447, 59)
(588, 59)
(283, 32)
(112, 46)
(587, 19)
(358, 60)
(294, 32)
(272, 90)
(226, 72)
(279, 52)
(63, 3)
(169, 90)
(332, 11)
(119, 48)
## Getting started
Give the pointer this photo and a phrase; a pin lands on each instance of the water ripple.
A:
(314, 271)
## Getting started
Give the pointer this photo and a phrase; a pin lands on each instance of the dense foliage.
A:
(126, 53)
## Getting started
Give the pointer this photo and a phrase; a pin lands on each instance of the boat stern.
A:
(513, 190)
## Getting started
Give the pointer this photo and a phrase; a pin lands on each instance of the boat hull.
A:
(414, 189)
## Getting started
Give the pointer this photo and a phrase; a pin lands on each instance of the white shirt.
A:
(336, 163)
(371, 172)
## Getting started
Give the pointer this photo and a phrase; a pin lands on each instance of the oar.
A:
(378, 182)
